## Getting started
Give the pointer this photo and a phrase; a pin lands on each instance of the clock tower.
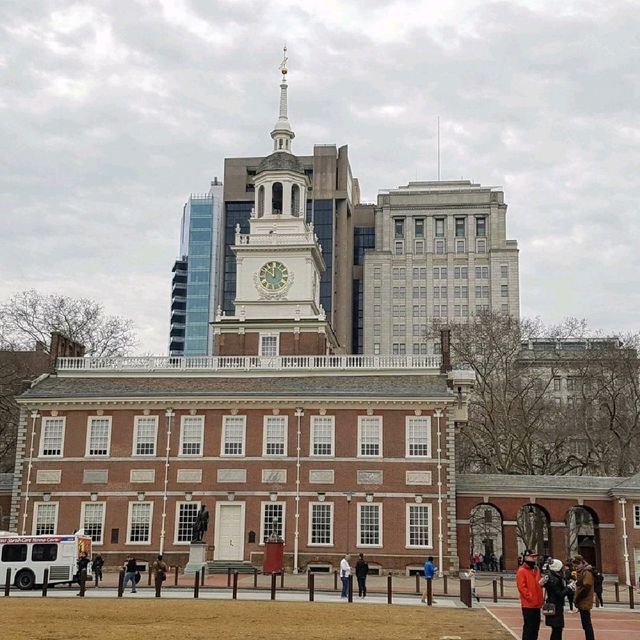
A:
(279, 262)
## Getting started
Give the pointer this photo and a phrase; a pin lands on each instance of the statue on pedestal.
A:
(200, 525)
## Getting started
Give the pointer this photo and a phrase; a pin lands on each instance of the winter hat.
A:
(555, 565)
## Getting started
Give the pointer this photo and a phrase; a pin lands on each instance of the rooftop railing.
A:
(248, 363)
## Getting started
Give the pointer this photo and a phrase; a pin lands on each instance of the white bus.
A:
(29, 556)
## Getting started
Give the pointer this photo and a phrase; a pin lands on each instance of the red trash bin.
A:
(273, 557)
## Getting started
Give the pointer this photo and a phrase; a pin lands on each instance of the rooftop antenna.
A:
(438, 148)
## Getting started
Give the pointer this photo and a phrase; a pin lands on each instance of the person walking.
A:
(584, 595)
(159, 569)
(531, 597)
(130, 569)
(598, 579)
(429, 572)
(96, 566)
(83, 563)
(345, 572)
(362, 571)
(556, 591)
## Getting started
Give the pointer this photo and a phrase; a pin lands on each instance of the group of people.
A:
(547, 590)
(489, 562)
(361, 571)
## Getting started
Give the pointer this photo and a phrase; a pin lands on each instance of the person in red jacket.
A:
(528, 579)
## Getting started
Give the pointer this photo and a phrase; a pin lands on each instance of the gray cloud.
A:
(111, 113)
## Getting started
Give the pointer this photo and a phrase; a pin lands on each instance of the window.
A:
(399, 349)
(376, 329)
(571, 384)
(14, 553)
(369, 525)
(139, 529)
(272, 520)
(504, 271)
(504, 290)
(233, 435)
(556, 384)
(443, 292)
(481, 227)
(504, 309)
(482, 273)
(369, 436)
(636, 516)
(439, 227)
(420, 349)
(459, 246)
(376, 292)
(482, 292)
(145, 430)
(44, 552)
(440, 246)
(399, 292)
(419, 330)
(191, 430)
(377, 310)
(52, 438)
(376, 348)
(456, 311)
(418, 436)
(186, 514)
(481, 246)
(98, 436)
(398, 228)
(399, 247)
(399, 311)
(461, 273)
(321, 524)
(92, 520)
(419, 273)
(275, 436)
(322, 435)
(418, 228)
(419, 310)
(419, 525)
(419, 247)
(45, 518)
(399, 273)
(377, 273)
(460, 228)
(269, 345)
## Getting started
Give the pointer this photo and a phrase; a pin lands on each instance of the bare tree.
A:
(28, 318)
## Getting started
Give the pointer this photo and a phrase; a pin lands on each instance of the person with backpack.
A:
(583, 599)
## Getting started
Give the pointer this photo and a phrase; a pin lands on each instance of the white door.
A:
(229, 537)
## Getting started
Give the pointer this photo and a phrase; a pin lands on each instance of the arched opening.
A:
(261, 202)
(276, 198)
(533, 529)
(295, 200)
(582, 534)
(485, 538)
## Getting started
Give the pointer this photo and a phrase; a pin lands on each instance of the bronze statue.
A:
(200, 525)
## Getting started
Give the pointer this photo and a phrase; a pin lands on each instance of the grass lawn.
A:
(75, 619)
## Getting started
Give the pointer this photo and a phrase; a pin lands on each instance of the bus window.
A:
(14, 553)
(44, 552)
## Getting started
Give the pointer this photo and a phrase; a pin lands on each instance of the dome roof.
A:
(281, 161)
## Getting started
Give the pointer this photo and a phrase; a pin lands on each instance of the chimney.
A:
(445, 349)
(63, 347)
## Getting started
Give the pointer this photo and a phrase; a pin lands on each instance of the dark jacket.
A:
(597, 583)
(362, 568)
(83, 563)
(131, 566)
(556, 592)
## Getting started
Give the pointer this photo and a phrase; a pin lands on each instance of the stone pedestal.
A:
(197, 557)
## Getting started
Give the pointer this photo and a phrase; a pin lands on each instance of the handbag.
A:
(137, 577)
(549, 609)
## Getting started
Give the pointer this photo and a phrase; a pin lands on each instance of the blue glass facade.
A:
(323, 222)
(363, 238)
(357, 331)
(235, 213)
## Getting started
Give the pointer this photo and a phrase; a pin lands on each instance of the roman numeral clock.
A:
(273, 279)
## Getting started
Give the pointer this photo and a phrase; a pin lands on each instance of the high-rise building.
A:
(441, 251)
(196, 281)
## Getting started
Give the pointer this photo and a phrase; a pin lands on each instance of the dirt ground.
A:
(62, 619)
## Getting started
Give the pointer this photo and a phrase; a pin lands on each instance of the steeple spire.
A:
(282, 133)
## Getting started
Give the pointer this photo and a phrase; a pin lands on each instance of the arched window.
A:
(533, 529)
(485, 538)
(261, 202)
(295, 200)
(276, 198)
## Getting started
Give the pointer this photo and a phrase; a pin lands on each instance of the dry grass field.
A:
(67, 619)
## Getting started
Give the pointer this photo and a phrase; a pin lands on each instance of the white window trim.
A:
(140, 544)
(135, 438)
(36, 507)
(269, 335)
(244, 438)
(332, 512)
(104, 512)
(407, 523)
(333, 438)
(264, 437)
(406, 437)
(284, 518)
(191, 455)
(636, 516)
(42, 431)
(380, 438)
(381, 529)
(88, 438)
(177, 520)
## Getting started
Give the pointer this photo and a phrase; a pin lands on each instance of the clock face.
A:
(273, 275)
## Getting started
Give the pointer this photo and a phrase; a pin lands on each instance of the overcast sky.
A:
(111, 113)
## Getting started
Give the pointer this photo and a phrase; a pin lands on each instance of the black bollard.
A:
(417, 583)
(616, 586)
(465, 592)
(228, 576)
(445, 584)
(202, 577)
(311, 587)
(429, 592)
(120, 583)
(273, 586)
(335, 580)
(255, 578)
(196, 584)
(7, 583)
(235, 585)
(175, 584)
(632, 604)
(282, 579)
(350, 592)
(149, 577)
(45, 583)
(389, 589)
(501, 587)
(495, 590)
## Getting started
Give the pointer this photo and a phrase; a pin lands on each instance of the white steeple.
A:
(282, 133)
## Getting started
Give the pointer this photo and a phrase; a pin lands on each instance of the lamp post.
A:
(625, 541)
(349, 496)
(34, 417)
(169, 415)
(296, 542)
(438, 416)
